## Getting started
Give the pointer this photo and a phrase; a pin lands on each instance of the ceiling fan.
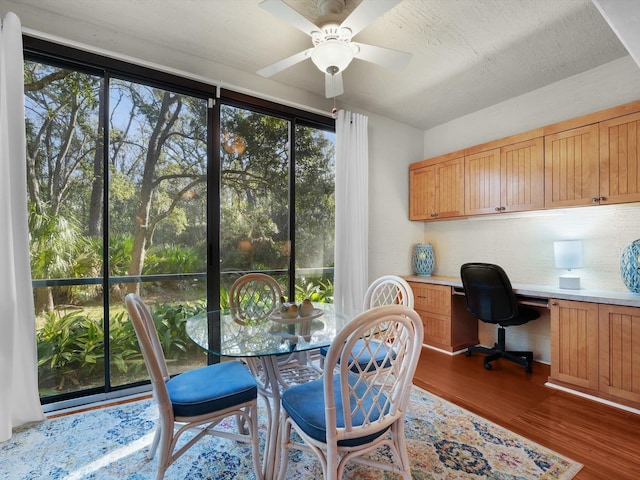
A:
(333, 49)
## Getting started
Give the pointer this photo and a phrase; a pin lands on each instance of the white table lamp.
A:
(568, 254)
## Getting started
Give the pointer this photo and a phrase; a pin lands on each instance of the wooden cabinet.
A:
(447, 324)
(505, 179)
(522, 174)
(436, 188)
(482, 182)
(588, 160)
(596, 349)
(574, 343)
(620, 160)
(595, 164)
(619, 352)
(571, 167)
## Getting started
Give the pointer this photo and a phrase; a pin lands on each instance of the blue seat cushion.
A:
(363, 355)
(212, 388)
(305, 405)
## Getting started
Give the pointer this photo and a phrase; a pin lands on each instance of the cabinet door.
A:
(482, 182)
(571, 167)
(574, 343)
(619, 342)
(449, 180)
(522, 176)
(437, 329)
(422, 193)
(620, 159)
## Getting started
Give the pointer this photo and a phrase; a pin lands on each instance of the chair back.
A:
(253, 297)
(369, 398)
(488, 292)
(150, 347)
(388, 290)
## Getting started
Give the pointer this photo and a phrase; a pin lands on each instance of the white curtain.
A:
(19, 399)
(352, 212)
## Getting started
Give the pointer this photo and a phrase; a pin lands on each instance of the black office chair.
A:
(490, 298)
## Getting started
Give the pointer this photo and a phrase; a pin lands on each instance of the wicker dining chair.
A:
(385, 290)
(196, 400)
(352, 410)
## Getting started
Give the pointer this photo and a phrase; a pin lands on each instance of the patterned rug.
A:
(444, 442)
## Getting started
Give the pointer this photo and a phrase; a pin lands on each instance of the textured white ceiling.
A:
(467, 54)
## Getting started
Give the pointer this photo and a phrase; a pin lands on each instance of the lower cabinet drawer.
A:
(432, 298)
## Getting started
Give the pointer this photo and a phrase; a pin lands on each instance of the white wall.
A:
(524, 246)
(392, 148)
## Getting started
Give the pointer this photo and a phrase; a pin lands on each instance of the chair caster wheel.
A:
(487, 366)
(467, 353)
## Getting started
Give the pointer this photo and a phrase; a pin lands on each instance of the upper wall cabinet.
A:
(482, 182)
(436, 188)
(505, 179)
(620, 160)
(571, 167)
(588, 160)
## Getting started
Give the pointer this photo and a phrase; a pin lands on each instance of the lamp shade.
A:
(568, 254)
(332, 56)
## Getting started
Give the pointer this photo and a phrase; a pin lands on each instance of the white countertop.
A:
(609, 297)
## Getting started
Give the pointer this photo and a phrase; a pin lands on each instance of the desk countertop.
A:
(608, 297)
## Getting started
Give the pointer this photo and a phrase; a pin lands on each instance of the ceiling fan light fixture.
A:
(332, 56)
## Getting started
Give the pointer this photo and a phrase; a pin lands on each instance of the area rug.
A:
(444, 442)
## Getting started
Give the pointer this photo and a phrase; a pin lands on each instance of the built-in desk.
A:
(595, 334)
(607, 297)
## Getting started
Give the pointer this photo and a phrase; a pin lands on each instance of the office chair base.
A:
(522, 358)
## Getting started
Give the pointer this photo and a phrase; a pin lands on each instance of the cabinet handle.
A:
(497, 209)
(554, 303)
(602, 199)
(594, 200)
(502, 209)
(433, 215)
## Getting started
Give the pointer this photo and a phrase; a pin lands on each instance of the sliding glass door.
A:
(144, 182)
(261, 178)
(157, 223)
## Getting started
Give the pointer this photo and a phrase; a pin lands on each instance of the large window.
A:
(128, 193)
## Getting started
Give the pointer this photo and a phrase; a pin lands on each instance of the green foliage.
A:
(316, 290)
(125, 351)
(174, 259)
(54, 242)
(170, 321)
(120, 250)
(71, 346)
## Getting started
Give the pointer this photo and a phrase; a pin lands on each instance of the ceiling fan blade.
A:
(333, 85)
(289, 15)
(366, 13)
(386, 57)
(285, 63)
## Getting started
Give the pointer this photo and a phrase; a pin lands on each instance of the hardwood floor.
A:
(606, 440)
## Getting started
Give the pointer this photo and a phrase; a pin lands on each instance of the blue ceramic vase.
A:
(629, 265)
(423, 260)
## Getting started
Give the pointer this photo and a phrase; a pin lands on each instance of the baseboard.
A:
(457, 352)
(594, 398)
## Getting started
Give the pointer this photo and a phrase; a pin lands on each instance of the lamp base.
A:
(570, 283)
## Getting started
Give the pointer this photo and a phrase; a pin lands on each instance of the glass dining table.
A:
(277, 350)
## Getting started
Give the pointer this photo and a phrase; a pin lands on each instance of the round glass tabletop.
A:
(255, 335)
